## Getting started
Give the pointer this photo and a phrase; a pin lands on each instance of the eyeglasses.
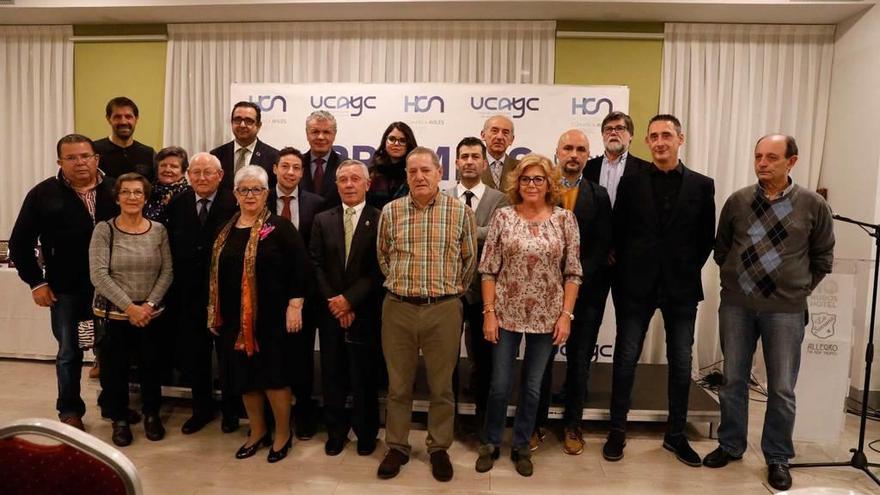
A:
(244, 120)
(537, 180)
(133, 194)
(620, 129)
(203, 173)
(247, 191)
(394, 140)
(76, 158)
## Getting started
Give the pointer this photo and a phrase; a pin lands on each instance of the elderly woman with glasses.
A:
(388, 167)
(171, 165)
(256, 288)
(531, 272)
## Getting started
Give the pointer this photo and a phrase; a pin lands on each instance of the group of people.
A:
(253, 251)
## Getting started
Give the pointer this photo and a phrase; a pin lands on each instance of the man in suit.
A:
(664, 229)
(194, 218)
(320, 162)
(343, 251)
(616, 162)
(289, 200)
(497, 133)
(245, 149)
(470, 161)
(119, 152)
(592, 208)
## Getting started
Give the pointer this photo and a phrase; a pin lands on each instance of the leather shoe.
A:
(121, 434)
(522, 460)
(153, 428)
(246, 451)
(390, 465)
(719, 458)
(679, 446)
(537, 438)
(195, 423)
(334, 445)
(778, 476)
(613, 449)
(366, 447)
(74, 421)
(274, 456)
(574, 441)
(305, 429)
(488, 454)
(441, 466)
(229, 424)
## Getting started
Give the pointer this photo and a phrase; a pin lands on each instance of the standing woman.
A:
(130, 266)
(388, 167)
(531, 273)
(258, 266)
(171, 165)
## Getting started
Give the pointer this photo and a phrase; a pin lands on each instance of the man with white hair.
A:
(497, 133)
(320, 162)
(195, 217)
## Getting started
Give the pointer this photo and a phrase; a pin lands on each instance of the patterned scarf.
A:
(246, 340)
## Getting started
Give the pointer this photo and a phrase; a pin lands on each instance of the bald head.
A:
(572, 152)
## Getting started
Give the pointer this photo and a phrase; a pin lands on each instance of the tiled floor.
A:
(204, 464)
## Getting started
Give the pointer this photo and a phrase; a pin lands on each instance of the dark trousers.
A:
(65, 315)
(479, 352)
(350, 365)
(632, 325)
(303, 357)
(198, 344)
(121, 344)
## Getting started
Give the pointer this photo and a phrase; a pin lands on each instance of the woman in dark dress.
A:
(388, 167)
(256, 295)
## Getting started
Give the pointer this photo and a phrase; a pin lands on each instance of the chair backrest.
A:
(78, 464)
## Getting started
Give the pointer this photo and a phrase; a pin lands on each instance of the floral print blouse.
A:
(530, 262)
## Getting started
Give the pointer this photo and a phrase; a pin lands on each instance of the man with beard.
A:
(608, 168)
(497, 133)
(119, 152)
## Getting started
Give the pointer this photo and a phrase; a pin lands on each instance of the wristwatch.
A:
(569, 314)
(151, 304)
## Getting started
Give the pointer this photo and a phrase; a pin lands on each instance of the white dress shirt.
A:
(249, 152)
(478, 191)
(358, 209)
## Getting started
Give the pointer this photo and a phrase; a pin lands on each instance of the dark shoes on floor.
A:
(613, 449)
(366, 447)
(390, 465)
(778, 476)
(305, 429)
(153, 428)
(487, 455)
(121, 434)
(195, 423)
(229, 423)
(441, 466)
(719, 458)
(74, 421)
(275, 456)
(248, 451)
(334, 446)
(133, 418)
(678, 445)
(522, 461)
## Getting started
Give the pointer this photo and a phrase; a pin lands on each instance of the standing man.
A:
(195, 216)
(120, 153)
(320, 162)
(343, 251)
(617, 162)
(60, 213)
(590, 204)
(497, 133)
(775, 243)
(470, 161)
(427, 251)
(245, 148)
(289, 200)
(664, 229)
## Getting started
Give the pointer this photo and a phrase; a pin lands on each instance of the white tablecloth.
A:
(25, 331)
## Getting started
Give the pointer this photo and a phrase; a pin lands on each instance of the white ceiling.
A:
(168, 11)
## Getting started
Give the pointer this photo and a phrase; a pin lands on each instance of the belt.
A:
(421, 301)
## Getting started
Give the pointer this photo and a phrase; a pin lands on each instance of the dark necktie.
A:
(318, 178)
(203, 211)
(285, 210)
(468, 196)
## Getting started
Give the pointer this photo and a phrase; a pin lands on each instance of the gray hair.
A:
(204, 155)
(354, 163)
(321, 115)
(421, 150)
(252, 172)
(499, 116)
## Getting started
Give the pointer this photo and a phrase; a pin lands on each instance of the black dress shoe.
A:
(441, 466)
(390, 466)
(282, 453)
(305, 429)
(778, 476)
(334, 445)
(121, 434)
(195, 423)
(719, 458)
(248, 451)
(679, 446)
(229, 424)
(366, 447)
(153, 428)
(613, 449)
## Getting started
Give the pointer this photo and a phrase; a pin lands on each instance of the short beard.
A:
(617, 148)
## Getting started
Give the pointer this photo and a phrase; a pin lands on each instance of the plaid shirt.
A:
(89, 196)
(430, 251)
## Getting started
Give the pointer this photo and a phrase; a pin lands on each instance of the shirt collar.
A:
(358, 208)
(568, 185)
(785, 192)
(478, 190)
(325, 157)
(679, 169)
(98, 181)
(620, 159)
(431, 203)
(279, 193)
(249, 147)
(209, 198)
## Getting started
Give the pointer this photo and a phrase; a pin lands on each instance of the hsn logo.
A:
(589, 106)
(267, 102)
(422, 104)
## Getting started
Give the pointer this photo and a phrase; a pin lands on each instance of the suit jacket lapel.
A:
(687, 188)
(365, 223)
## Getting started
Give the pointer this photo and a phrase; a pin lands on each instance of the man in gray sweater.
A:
(774, 245)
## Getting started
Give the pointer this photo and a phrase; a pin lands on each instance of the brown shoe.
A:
(95, 371)
(390, 466)
(74, 421)
(574, 441)
(537, 438)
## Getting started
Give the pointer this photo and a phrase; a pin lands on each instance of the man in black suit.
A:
(245, 149)
(194, 219)
(616, 162)
(664, 223)
(343, 251)
(290, 200)
(321, 161)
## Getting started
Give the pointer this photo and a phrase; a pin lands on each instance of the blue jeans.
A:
(65, 314)
(538, 347)
(632, 325)
(781, 335)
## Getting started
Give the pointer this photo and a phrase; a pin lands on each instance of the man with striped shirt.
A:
(427, 249)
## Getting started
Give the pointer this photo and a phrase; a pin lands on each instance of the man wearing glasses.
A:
(245, 149)
(608, 168)
(61, 213)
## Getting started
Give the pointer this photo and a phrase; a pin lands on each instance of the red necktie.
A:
(318, 178)
(285, 210)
